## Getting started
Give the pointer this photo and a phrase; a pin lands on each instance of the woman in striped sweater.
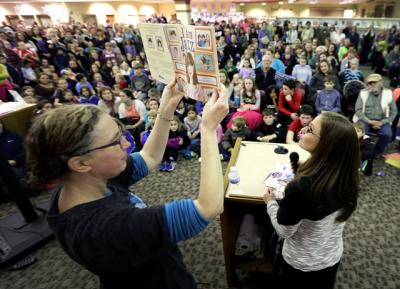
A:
(311, 217)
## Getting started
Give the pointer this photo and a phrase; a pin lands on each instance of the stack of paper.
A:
(278, 178)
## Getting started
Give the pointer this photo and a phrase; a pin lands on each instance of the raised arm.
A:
(154, 147)
(210, 200)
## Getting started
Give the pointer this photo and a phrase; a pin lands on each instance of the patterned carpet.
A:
(372, 239)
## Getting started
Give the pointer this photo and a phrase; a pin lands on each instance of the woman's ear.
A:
(79, 164)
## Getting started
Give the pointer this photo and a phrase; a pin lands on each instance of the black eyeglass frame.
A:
(310, 129)
(121, 135)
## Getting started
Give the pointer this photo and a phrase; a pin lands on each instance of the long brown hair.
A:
(190, 61)
(334, 164)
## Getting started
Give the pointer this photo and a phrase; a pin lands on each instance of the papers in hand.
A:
(278, 178)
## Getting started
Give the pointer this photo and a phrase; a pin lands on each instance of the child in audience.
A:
(140, 83)
(98, 82)
(328, 99)
(246, 71)
(87, 96)
(289, 103)
(62, 87)
(306, 113)
(151, 116)
(192, 123)
(302, 71)
(69, 98)
(367, 149)
(151, 104)
(230, 68)
(177, 140)
(271, 98)
(28, 94)
(238, 129)
(249, 105)
(268, 130)
(28, 74)
(154, 94)
(181, 111)
(82, 82)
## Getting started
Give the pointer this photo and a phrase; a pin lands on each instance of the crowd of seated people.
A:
(278, 76)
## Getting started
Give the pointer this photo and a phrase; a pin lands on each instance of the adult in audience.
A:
(376, 109)
(265, 75)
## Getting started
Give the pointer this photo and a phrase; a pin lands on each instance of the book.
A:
(185, 52)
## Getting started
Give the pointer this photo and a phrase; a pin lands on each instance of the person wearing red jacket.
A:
(289, 103)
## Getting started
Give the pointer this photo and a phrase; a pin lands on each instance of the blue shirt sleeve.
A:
(140, 169)
(183, 220)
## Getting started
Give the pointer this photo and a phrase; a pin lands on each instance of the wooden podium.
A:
(16, 116)
(253, 160)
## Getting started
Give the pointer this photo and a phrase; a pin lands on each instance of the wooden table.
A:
(16, 116)
(253, 160)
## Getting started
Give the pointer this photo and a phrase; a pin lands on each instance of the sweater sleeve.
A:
(284, 231)
(281, 108)
(294, 104)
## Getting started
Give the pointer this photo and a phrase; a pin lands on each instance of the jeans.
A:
(384, 134)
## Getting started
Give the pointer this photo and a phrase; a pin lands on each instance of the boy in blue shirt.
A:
(328, 99)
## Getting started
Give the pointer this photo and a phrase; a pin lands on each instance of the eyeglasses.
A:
(119, 141)
(310, 129)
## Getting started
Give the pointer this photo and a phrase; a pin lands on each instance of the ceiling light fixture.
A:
(280, 2)
(263, 3)
(242, 4)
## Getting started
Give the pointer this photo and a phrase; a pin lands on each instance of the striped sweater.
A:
(313, 238)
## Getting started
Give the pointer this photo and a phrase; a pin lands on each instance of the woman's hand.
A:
(269, 195)
(215, 109)
(169, 100)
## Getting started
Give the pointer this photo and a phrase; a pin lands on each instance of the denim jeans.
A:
(384, 134)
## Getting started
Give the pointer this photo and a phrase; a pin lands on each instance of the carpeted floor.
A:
(371, 258)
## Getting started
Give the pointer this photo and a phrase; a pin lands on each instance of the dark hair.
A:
(290, 83)
(50, 143)
(268, 111)
(334, 164)
(271, 88)
(329, 78)
(306, 109)
(191, 108)
(128, 93)
(87, 88)
(79, 77)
